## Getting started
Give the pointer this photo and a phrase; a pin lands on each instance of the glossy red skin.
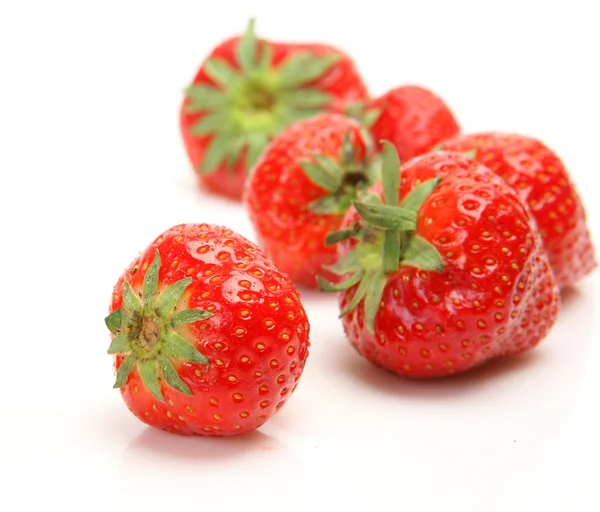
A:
(278, 195)
(263, 362)
(414, 119)
(342, 81)
(496, 296)
(541, 180)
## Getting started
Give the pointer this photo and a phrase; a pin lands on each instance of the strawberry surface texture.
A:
(301, 187)
(208, 336)
(441, 268)
(542, 181)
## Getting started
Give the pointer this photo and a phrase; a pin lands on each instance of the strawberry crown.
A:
(144, 330)
(249, 105)
(343, 178)
(387, 240)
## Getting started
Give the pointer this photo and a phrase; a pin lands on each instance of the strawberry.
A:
(208, 336)
(541, 180)
(412, 118)
(300, 188)
(442, 272)
(247, 91)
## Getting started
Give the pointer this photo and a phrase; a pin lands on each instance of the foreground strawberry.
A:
(541, 180)
(413, 119)
(247, 91)
(301, 187)
(443, 272)
(209, 337)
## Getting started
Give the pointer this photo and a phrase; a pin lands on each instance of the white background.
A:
(92, 169)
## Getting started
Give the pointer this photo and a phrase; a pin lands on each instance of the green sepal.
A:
(359, 111)
(348, 149)
(303, 67)
(246, 49)
(329, 165)
(422, 254)
(341, 235)
(387, 217)
(179, 348)
(151, 281)
(235, 149)
(373, 299)
(350, 262)
(360, 293)
(289, 116)
(189, 316)
(117, 320)
(325, 205)
(371, 116)
(417, 196)
(124, 370)
(371, 198)
(322, 177)
(214, 122)
(148, 370)
(172, 377)
(306, 98)
(266, 58)
(257, 142)
(169, 298)
(119, 344)
(220, 72)
(216, 152)
(391, 251)
(471, 155)
(326, 286)
(390, 173)
(131, 301)
(204, 97)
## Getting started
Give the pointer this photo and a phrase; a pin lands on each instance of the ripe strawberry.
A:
(209, 337)
(247, 91)
(301, 187)
(443, 272)
(412, 118)
(541, 180)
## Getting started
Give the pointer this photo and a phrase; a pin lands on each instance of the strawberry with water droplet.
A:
(442, 268)
(208, 336)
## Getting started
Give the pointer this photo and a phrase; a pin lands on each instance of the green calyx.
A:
(344, 178)
(387, 240)
(363, 112)
(255, 101)
(144, 330)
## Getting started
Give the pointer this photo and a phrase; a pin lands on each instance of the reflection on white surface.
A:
(161, 470)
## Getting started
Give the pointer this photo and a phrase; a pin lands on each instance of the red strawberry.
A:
(412, 118)
(209, 337)
(300, 188)
(541, 180)
(247, 91)
(444, 272)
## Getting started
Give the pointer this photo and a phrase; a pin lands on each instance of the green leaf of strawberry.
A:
(144, 332)
(386, 238)
(249, 104)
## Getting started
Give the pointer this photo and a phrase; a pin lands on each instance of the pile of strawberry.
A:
(445, 249)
